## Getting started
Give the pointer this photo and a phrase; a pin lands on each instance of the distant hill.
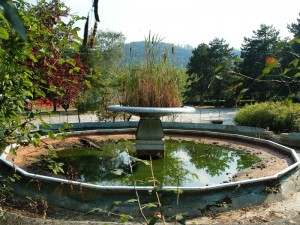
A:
(181, 57)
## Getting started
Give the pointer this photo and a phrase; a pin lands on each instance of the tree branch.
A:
(272, 80)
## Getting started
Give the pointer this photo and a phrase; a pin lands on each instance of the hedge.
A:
(274, 116)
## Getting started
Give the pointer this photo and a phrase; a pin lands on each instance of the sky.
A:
(190, 22)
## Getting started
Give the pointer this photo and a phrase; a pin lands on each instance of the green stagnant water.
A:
(185, 164)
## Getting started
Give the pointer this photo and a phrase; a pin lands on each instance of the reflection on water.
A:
(185, 164)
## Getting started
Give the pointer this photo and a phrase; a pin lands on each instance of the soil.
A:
(286, 211)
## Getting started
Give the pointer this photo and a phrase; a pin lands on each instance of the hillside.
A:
(181, 57)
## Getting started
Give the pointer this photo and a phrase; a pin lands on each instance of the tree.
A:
(198, 70)
(255, 51)
(289, 60)
(104, 62)
(221, 56)
(54, 44)
(16, 86)
(66, 81)
(206, 83)
(22, 78)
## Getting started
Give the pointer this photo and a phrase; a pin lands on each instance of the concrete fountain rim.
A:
(276, 176)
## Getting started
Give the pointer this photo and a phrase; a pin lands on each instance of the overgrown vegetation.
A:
(45, 62)
(155, 82)
(274, 116)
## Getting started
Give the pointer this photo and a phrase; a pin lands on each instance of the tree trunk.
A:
(78, 115)
(54, 105)
(201, 99)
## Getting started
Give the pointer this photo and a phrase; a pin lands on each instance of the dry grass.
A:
(154, 83)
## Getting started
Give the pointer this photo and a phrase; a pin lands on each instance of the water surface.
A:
(185, 164)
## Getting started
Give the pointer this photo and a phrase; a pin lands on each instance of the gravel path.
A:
(201, 116)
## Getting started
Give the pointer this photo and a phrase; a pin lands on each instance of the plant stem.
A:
(177, 199)
(136, 192)
(156, 193)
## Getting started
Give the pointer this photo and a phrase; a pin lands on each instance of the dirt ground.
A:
(286, 211)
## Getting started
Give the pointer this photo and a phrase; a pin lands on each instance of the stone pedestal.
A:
(150, 138)
(150, 134)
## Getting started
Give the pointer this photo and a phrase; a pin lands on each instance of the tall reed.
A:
(155, 82)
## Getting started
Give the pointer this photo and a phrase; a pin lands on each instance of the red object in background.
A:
(270, 60)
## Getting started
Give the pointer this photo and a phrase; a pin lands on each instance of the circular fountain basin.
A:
(151, 112)
(186, 163)
(245, 191)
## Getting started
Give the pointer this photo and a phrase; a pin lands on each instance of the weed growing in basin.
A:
(55, 167)
(6, 191)
(5, 186)
(155, 82)
(157, 203)
(149, 204)
(38, 205)
(52, 164)
(273, 190)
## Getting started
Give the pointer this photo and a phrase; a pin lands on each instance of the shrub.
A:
(275, 116)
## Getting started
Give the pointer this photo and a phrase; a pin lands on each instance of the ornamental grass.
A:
(155, 82)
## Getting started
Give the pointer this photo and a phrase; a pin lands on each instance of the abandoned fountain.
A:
(244, 187)
(236, 192)
(150, 133)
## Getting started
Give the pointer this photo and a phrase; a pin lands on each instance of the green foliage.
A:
(104, 63)
(269, 67)
(275, 116)
(6, 191)
(124, 218)
(52, 164)
(12, 16)
(106, 115)
(267, 70)
(255, 51)
(222, 204)
(208, 69)
(16, 86)
(54, 46)
(22, 78)
(5, 186)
